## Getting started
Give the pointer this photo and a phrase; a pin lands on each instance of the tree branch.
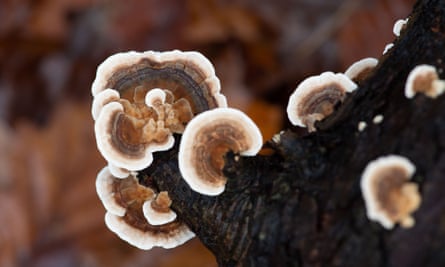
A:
(302, 205)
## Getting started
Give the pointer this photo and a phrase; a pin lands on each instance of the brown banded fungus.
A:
(157, 211)
(207, 138)
(124, 200)
(361, 69)
(159, 93)
(424, 79)
(316, 98)
(116, 193)
(388, 195)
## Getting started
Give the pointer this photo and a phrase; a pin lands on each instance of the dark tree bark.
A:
(302, 205)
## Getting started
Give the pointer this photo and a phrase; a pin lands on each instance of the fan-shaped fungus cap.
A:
(424, 79)
(361, 69)
(399, 25)
(389, 198)
(124, 199)
(104, 97)
(157, 211)
(187, 75)
(119, 140)
(207, 138)
(157, 94)
(316, 97)
(115, 193)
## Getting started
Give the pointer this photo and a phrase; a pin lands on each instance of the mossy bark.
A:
(302, 205)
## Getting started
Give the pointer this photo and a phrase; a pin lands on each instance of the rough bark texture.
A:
(302, 205)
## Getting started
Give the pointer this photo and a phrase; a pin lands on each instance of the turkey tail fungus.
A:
(302, 204)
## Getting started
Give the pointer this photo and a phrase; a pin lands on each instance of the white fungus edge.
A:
(373, 212)
(157, 218)
(188, 172)
(307, 85)
(358, 66)
(104, 189)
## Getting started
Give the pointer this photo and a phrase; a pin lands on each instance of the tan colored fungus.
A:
(361, 69)
(424, 79)
(316, 98)
(389, 197)
(157, 211)
(158, 93)
(124, 199)
(118, 194)
(387, 48)
(187, 75)
(207, 138)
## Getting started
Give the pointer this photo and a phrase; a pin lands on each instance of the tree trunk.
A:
(302, 205)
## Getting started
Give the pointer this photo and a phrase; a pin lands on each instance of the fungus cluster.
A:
(138, 214)
(317, 97)
(425, 80)
(389, 196)
(140, 101)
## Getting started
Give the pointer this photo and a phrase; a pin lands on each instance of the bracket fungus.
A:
(399, 25)
(387, 48)
(141, 99)
(361, 69)
(389, 198)
(316, 97)
(424, 79)
(125, 199)
(157, 210)
(207, 138)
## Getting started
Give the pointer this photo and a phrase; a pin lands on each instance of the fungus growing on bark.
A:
(361, 69)
(316, 98)
(389, 198)
(377, 119)
(157, 211)
(399, 26)
(119, 142)
(207, 138)
(116, 193)
(187, 75)
(361, 126)
(387, 48)
(124, 200)
(424, 79)
(154, 95)
(141, 234)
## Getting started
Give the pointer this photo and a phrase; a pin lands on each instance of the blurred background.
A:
(49, 52)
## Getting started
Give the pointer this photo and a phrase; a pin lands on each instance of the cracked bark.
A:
(302, 205)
